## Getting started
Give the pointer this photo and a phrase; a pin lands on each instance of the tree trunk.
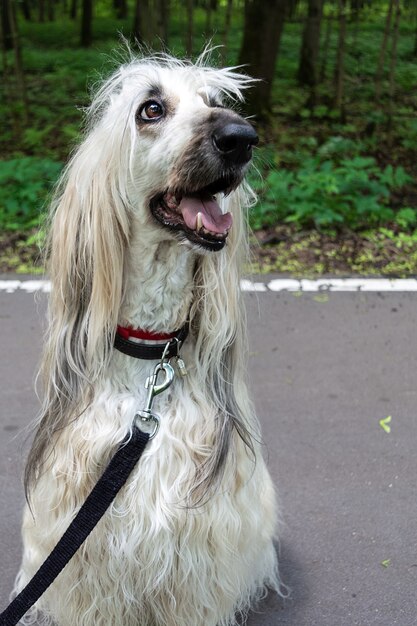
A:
(326, 45)
(137, 29)
(120, 8)
(226, 32)
(165, 15)
(6, 76)
(41, 4)
(50, 10)
(144, 22)
(392, 68)
(151, 22)
(339, 78)
(381, 58)
(86, 24)
(307, 70)
(393, 60)
(209, 8)
(6, 27)
(190, 28)
(123, 9)
(415, 37)
(161, 22)
(355, 11)
(264, 23)
(73, 9)
(292, 8)
(19, 77)
(26, 10)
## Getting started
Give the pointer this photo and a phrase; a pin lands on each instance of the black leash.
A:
(93, 509)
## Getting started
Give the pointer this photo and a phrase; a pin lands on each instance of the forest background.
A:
(336, 112)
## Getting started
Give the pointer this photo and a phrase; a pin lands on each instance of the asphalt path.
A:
(324, 370)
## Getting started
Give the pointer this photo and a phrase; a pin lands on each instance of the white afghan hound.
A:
(142, 240)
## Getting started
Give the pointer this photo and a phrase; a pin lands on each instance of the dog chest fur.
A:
(152, 555)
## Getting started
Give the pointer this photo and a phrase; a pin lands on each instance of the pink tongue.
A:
(211, 216)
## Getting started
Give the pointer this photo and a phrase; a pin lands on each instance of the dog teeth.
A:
(199, 228)
(199, 222)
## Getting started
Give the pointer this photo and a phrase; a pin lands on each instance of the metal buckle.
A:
(146, 415)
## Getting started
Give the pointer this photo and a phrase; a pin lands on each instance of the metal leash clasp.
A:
(146, 416)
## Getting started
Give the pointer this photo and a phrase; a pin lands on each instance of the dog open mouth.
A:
(196, 213)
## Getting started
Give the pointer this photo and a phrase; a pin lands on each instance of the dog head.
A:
(204, 150)
(173, 148)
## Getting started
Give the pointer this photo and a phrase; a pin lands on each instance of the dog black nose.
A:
(234, 141)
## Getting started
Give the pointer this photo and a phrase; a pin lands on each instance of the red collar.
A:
(138, 333)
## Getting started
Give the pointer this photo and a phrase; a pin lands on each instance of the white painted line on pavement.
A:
(29, 286)
(344, 284)
(333, 284)
(250, 285)
(276, 284)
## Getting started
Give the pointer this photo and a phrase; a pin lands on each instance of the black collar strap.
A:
(149, 351)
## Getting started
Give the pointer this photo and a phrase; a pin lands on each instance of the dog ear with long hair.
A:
(88, 239)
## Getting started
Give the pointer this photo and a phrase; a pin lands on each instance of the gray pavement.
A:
(324, 370)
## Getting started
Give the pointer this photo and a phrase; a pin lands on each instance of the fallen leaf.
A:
(384, 423)
(322, 297)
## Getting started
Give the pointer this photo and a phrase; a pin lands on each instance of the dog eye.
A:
(151, 111)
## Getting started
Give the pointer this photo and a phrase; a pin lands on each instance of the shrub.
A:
(25, 184)
(353, 192)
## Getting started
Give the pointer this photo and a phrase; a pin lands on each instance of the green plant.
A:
(408, 134)
(339, 147)
(406, 217)
(352, 192)
(25, 184)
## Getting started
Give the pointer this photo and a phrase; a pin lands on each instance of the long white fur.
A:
(167, 553)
